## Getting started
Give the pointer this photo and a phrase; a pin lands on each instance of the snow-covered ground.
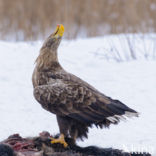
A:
(131, 81)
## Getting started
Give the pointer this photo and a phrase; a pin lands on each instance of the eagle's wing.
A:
(82, 102)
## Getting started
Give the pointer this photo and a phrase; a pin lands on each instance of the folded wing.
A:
(82, 103)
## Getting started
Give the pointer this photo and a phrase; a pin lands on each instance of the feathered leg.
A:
(73, 133)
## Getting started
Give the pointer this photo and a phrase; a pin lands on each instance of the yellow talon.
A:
(60, 140)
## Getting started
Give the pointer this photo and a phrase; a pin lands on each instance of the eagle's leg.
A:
(73, 134)
(63, 126)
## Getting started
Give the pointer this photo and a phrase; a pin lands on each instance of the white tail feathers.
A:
(112, 119)
(116, 118)
(131, 114)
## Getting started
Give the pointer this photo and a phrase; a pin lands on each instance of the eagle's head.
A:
(54, 39)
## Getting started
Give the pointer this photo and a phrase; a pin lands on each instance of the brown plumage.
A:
(76, 104)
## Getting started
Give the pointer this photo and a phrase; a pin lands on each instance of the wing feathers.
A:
(104, 113)
(99, 109)
(80, 117)
(82, 104)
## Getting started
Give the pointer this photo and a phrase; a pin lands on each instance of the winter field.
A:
(123, 67)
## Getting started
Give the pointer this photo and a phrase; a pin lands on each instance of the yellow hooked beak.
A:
(59, 31)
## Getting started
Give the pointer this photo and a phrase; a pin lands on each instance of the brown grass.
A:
(34, 19)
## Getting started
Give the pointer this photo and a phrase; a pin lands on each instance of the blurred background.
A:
(35, 19)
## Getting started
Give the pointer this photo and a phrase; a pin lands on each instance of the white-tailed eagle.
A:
(77, 104)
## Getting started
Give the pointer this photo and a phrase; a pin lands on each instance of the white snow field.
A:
(104, 62)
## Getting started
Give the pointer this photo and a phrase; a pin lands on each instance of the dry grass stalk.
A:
(34, 19)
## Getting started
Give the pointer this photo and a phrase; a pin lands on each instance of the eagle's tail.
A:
(101, 115)
(118, 111)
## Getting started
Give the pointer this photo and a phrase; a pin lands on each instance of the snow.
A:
(131, 81)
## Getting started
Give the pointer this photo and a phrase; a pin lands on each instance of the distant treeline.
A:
(35, 19)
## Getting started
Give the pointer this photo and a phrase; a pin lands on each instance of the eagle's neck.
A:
(47, 60)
